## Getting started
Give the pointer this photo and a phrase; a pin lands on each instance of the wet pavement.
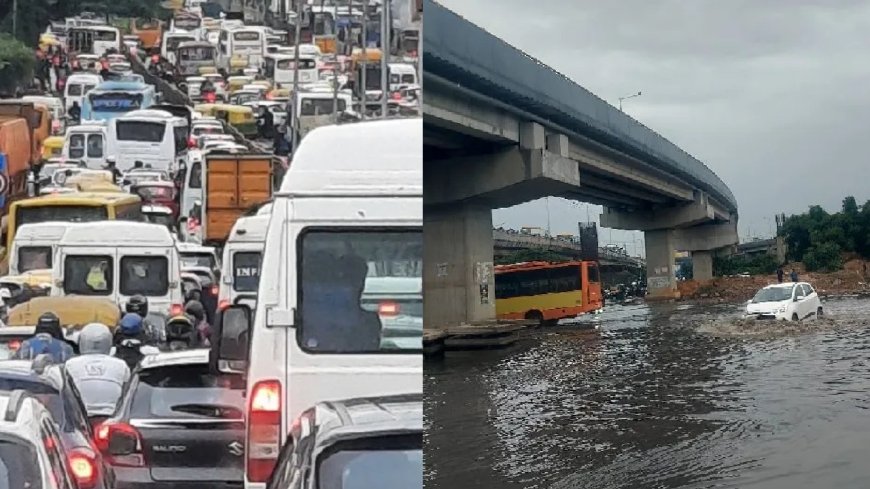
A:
(646, 400)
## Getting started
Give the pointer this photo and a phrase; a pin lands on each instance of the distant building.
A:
(775, 247)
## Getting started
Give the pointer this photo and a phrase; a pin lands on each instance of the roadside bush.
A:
(734, 265)
(824, 257)
(16, 64)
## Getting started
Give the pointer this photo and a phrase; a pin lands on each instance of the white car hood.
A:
(765, 307)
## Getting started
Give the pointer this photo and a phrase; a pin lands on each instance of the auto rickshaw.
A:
(207, 70)
(73, 312)
(240, 117)
(87, 185)
(52, 147)
(278, 94)
(33, 278)
(237, 82)
(239, 62)
(263, 83)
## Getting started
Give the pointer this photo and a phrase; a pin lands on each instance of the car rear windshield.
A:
(19, 466)
(146, 275)
(9, 344)
(48, 395)
(343, 274)
(34, 258)
(188, 391)
(197, 260)
(246, 271)
(371, 464)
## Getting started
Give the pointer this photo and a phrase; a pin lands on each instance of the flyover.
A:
(505, 242)
(501, 128)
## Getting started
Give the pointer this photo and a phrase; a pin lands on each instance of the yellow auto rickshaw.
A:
(73, 312)
(207, 70)
(278, 94)
(33, 278)
(263, 83)
(52, 147)
(97, 186)
(236, 82)
(239, 62)
(239, 116)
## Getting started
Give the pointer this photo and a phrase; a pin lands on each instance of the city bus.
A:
(113, 98)
(547, 292)
(245, 43)
(75, 207)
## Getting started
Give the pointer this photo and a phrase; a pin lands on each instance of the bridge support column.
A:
(660, 268)
(702, 265)
(458, 258)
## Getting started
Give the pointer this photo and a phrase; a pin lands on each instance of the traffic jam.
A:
(212, 254)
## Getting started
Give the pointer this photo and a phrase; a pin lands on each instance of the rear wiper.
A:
(211, 410)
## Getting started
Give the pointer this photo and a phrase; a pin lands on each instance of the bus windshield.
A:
(61, 213)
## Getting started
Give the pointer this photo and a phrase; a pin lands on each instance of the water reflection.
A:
(645, 401)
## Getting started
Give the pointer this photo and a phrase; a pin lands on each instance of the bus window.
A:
(592, 274)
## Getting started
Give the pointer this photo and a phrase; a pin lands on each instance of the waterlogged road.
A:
(648, 401)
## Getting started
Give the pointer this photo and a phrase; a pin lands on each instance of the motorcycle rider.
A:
(196, 311)
(47, 339)
(138, 304)
(130, 340)
(181, 333)
(99, 376)
(207, 87)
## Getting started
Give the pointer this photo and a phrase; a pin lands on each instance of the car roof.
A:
(368, 416)
(197, 356)
(23, 370)
(784, 285)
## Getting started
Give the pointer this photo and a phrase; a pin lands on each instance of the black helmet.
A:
(180, 328)
(195, 309)
(137, 304)
(49, 323)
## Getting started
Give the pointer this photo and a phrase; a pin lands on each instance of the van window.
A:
(195, 175)
(88, 88)
(246, 271)
(304, 64)
(129, 212)
(407, 78)
(75, 90)
(88, 275)
(360, 291)
(321, 106)
(34, 258)
(105, 36)
(180, 133)
(146, 275)
(77, 146)
(95, 146)
(141, 131)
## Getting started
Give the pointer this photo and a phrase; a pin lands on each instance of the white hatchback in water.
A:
(789, 301)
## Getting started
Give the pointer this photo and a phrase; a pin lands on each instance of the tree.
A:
(823, 257)
(16, 64)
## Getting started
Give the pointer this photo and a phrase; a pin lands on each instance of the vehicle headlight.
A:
(781, 308)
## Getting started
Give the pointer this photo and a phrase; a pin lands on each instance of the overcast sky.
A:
(771, 95)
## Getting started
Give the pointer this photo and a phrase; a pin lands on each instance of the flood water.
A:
(647, 401)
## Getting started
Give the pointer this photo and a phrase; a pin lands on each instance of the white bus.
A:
(247, 43)
(170, 43)
(279, 67)
(153, 137)
(325, 326)
(96, 39)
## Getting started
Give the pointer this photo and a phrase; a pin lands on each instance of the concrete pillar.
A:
(702, 265)
(660, 268)
(458, 280)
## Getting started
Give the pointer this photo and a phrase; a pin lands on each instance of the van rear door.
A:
(233, 184)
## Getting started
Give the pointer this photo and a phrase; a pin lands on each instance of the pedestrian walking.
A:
(794, 275)
(779, 274)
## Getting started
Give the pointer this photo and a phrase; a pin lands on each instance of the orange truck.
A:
(234, 183)
(149, 31)
(23, 129)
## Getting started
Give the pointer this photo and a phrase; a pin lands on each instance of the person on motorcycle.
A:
(207, 90)
(129, 340)
(47, 339)
(196, 311)
(181, 333)
(138, 304)
(98, 375)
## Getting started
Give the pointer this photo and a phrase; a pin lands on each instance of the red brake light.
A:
(191, 143)
(264, 430)
(397, 96)
(176, 309)
(83, 464)
(14, 345)
(223, 304)
(388, 309)
(121, 444)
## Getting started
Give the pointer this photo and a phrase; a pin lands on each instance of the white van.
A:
(401, 75)
(88, 142)
(279, 67)
(77, 86)
(341, 218)
(117, 260)
(153, 137)
(34, 246)
(243, 251)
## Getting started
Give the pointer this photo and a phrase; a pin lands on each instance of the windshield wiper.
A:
(210, 410)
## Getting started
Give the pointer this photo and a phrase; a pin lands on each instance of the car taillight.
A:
(264, 430)
(83, 464)
(223, 304)
(191, 143)
(176, 309)
(14, 345)
(121, 443)
(388, 309)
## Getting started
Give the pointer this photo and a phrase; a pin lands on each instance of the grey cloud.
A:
(770, 95)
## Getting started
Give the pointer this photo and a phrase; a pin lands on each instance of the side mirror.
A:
(230, 349)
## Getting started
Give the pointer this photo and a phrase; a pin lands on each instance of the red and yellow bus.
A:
(547, 292)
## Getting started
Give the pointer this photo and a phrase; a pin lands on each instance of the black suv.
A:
(177, 425)
(372, 443)
(55, 388)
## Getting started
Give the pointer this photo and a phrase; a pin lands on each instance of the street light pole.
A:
(15, 19)
(626, 98)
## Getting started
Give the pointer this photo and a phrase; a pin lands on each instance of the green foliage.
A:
(818, 238)
(16, 63)
(735, 265)
(530, 255)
